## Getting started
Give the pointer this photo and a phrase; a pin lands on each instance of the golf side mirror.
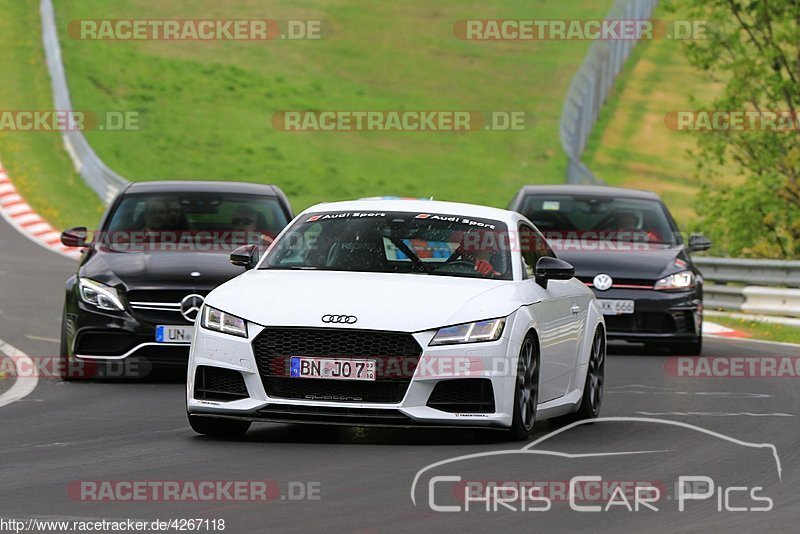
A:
(699, 243)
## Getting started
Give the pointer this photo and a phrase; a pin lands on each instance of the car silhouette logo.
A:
(190, 306)
(339, 319)
(602, 282)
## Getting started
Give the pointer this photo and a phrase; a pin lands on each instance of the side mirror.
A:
(75, 237)
(245, 256)
(548, 268)
(698, 243)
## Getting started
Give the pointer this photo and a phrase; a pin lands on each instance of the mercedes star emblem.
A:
(190, 306)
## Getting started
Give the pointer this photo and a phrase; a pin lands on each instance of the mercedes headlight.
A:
(99, 295)
(681, 280)
(478, 331)
(220, 321)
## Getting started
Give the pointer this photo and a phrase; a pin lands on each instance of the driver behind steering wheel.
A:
(472, 250)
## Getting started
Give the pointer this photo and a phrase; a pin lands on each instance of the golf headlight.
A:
(99, 295)
(681, 280)
(478, 331)
(219, 321)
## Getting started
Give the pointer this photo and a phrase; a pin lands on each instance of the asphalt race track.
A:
(361, 480)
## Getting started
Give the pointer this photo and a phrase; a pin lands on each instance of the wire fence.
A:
(105, 182)
(591, 86)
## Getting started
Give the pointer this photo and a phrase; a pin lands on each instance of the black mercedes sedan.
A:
(161, 247)
(626, 246)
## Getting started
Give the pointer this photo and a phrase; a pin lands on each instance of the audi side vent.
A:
(217, 384)
(463, 395)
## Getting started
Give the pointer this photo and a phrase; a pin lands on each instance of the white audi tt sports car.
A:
(398, 313)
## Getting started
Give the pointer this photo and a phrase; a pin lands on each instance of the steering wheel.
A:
(651, 237)
(459, 265)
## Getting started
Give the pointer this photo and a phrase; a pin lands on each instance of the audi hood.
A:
(378, 301)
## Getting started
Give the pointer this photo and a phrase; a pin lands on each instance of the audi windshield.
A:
(600, 218)
(383, 242)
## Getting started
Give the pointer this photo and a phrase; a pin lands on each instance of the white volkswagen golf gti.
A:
(398, 313)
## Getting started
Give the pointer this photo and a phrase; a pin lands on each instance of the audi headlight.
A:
(99, 295)
(478, 331)
(681, 280)
(220, 321)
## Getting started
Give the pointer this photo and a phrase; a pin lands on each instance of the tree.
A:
(753, 48)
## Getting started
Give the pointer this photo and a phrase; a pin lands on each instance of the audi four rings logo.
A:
(339, 319)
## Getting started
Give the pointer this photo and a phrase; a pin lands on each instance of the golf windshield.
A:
(395, 242)
(565, 217)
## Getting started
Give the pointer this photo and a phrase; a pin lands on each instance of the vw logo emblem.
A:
(339, 319)
(602, 282)
(190, 306)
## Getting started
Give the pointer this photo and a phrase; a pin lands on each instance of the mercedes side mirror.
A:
(699, 243)
(75, 237)
(245, 256)
(548, 268)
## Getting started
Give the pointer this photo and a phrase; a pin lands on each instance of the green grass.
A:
(36, 161)
(760, 330)
(631, 146)
(208, 105)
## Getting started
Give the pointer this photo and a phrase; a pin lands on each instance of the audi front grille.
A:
(397, 355)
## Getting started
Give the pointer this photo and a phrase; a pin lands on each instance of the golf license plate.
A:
(173, 334)
(331, 368)
(616, 307)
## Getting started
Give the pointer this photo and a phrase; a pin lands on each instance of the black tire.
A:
(215, 426)
(593, 387)
(526, 391)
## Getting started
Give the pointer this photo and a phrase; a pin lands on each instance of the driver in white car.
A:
(473, 250)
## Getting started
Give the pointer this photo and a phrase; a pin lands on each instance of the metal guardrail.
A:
(105, 182)
(759, 291)
(751, 272)
(590, 88)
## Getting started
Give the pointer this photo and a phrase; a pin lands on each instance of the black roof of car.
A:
(204, 186)
(587, 190)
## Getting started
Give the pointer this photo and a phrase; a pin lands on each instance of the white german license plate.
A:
(173, 334)
(331, 368)
(616, 307)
